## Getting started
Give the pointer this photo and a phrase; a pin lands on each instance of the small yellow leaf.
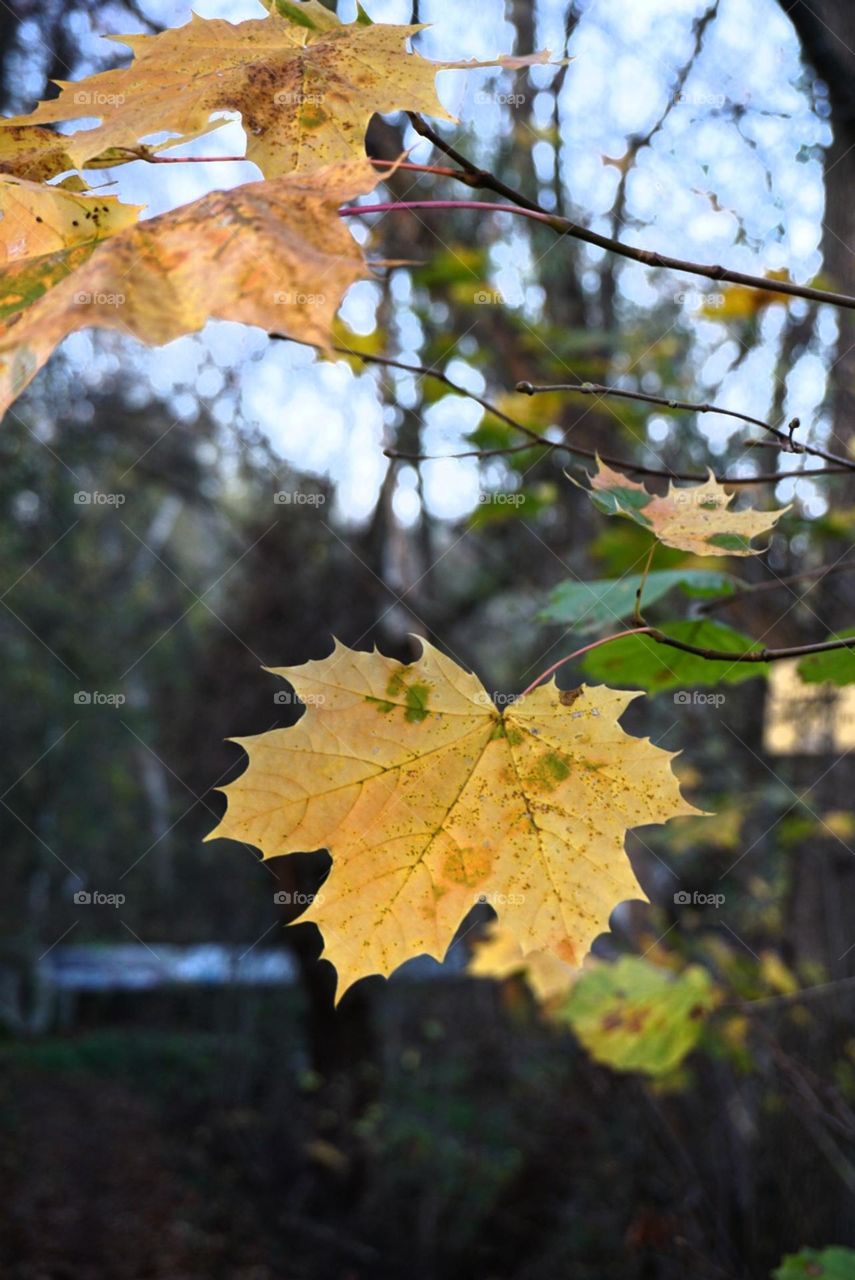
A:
(692, 518)
(499, 955)
(36, 219)
(274, 254)
(739, 302)
(778, 976)
(431, 799)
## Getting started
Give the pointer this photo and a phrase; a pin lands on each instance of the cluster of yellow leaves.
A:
(427, 796)
(694, 518)
(272, 253)
(304, 94)
(430, 799)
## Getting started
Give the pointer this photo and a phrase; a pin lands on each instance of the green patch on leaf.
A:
(417, 703)
(729, 542)
(622, 502)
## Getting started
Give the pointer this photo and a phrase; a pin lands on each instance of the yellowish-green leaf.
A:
(634, 1016)
(694, 518)
(273, 254)
(428, 798)
(304, 84)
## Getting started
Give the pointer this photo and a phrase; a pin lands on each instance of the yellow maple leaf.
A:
(430, 799)
(36, 219)
(499, 955)
(304, 86)
(692, 518)
(274, 254)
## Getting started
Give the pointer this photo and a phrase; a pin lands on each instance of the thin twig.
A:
(480, 178)
(534, 439)
(752, 655)
(751, 589)
(784, 437)
(577, 653)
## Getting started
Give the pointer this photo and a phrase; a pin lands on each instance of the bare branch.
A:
(480, 178)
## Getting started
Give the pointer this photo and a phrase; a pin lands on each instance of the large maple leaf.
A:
(273, 254)
(430, 799)
(305, 86)
(691, 518)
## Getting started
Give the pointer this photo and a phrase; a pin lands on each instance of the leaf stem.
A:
(636, 617)
(488, 206)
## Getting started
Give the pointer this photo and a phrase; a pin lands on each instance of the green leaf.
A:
(634, 1016)
(833, 1263)
(837, 666)
(638, 662)
(590, 606)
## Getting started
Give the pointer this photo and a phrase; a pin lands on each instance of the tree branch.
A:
(534, 439)
(785, 437)
(753, 655)
(480, 178)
